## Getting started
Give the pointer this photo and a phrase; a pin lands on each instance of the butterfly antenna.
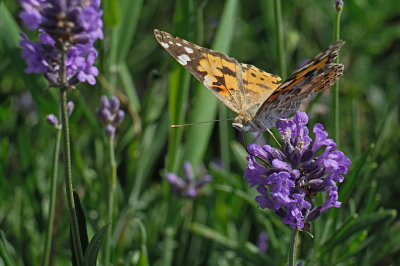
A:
(244, 140)
(269, 131)
(198, 123)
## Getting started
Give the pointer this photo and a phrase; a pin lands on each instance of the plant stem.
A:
(293, 247)
(279, 38)
(110, 207)
(67, 164)
(335, 90)
(53, 188)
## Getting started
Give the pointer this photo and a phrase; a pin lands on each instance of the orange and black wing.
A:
(258, 86)
(221, 74)
(318, 74)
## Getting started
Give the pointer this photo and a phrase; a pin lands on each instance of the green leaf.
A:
(204, 108)
(82, 228)
(143, 259)
(179, 85)
(153, 140)
(355, 226)
(111, 12)
(240, 154)
(122, 36)
(4, 253)
(355, 244)
(348, 187)
(9, 28)
(92, 251)
(167, 246)
(216, 236)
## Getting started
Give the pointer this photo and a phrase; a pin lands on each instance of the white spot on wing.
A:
(170, 42)
(208, 80)
(178, 44)
(189, 50)
(164, 44)
(183, 59)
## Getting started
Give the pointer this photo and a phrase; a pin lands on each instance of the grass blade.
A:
(205, 106)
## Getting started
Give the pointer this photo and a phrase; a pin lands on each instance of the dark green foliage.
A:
(82, 231)
(92, 250)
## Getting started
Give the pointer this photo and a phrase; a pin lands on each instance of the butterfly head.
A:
(242, 123)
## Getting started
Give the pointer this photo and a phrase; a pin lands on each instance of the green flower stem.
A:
(52, 206)
(110, 208)
(293, 247)
(67, 164)
(335, 90)
(279, 38)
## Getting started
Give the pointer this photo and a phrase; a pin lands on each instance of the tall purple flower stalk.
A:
(288, 179)
(65, 56)
(64, 25)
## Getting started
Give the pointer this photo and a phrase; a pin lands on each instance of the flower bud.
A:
(52, 120)
(114, 104)
(70, 107)
(119, 117)
(110, 130)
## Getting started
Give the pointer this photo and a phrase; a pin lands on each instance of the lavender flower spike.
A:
(187, 187)
(73, 26)
(289, 178)
(109, 114)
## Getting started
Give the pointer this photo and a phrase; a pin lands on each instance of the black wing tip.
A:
(162, 36)
(158, 35)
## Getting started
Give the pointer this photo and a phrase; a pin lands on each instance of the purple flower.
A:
(339, 5)
(110, 130)
(109, 114)
(300, 263)
(73, 25)
(288, 178)
(70, 107)
(187, 187)
(52, 120)
(262, 243)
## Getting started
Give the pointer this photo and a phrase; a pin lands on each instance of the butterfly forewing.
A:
(219, 73)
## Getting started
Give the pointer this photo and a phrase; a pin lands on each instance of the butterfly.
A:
(257, 97)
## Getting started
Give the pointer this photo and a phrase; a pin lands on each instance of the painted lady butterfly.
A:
(255, 95)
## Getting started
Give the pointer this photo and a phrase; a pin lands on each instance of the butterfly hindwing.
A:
(221, 74)
(317, 75)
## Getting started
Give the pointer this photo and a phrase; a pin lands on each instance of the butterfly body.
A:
(257, 97)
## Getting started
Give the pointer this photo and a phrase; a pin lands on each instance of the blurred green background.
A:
(221, 226)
